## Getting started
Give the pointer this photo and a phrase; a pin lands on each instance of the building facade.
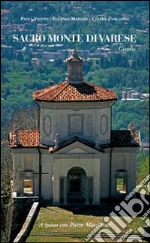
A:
(74, 155)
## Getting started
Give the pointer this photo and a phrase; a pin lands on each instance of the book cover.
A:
(75, 119)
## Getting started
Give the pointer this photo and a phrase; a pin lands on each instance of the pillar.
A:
(87, 191)
(65, 191)
(56, 191)
(96, 183)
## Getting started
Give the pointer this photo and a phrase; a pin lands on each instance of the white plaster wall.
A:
(131, 166)
(19, 157)
(44, 138)
(93, 124)
(91, 167)
(104, 125)
(128, 162)
(17, 166)
(104, 174)
(95, 165)
(46, 179)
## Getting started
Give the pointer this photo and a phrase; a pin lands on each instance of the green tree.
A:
(142, 166)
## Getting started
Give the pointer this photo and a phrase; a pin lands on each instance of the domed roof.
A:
(74, 88)
(66, 91)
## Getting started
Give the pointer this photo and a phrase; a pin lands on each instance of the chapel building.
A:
(74, 155)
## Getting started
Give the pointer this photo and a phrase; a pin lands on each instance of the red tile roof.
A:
(31, 138)
(66, 91)
(123, 138)
(26, 138)
(119, 138)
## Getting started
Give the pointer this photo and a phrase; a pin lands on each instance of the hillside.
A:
(29, 66)
(74, 224)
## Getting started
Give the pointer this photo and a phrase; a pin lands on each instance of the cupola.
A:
(74, 70)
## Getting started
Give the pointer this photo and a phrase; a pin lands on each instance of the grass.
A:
(56, 224)
(59, 221)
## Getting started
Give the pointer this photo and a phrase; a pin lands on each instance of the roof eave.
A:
(74, 101)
